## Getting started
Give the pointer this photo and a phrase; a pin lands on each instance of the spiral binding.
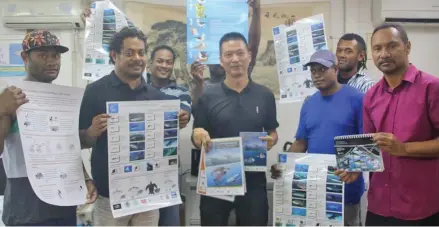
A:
(360, 136)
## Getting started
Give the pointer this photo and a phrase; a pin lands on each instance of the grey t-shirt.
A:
(21, 205)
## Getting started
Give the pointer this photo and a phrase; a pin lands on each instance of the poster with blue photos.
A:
(105, 21)
(255, 151)
(143, 139)
(308, 193)
(207, 22)
(293, 46)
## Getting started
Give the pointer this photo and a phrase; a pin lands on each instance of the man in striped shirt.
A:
(352, 56)
(161, 67)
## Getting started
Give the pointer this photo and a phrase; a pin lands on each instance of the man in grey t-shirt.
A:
(41, 55)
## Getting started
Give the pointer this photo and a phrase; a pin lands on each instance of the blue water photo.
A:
(300, 176)
(171, 115)
(227, 175)
(255, 149)
(301, 168)
(333, 216)
(336, 207)
(334, 188)
(223, 167)
(171, 124)
(299, 211)
(170, 133)
(170, 142)
(333, 179)
(137, 155)
(334, 198)
(137, 126)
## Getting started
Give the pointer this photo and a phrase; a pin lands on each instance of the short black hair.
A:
(401, 31)
(232, 36)
(361, 44)
(163, 47)
(119, 37)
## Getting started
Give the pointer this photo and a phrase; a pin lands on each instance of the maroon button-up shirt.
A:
(408, 188)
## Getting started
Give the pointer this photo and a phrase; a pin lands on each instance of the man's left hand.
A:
(388, 142)
(270, 141)
(183, 118)
(92, 194)
(347, 177)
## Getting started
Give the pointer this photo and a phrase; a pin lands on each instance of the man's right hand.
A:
(197, 72)
(201, 138)
(290, 21)
(11, 99)
(276, 171)
(85, 13)
(98, 125)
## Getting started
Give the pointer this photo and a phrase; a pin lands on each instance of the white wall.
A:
(424, 51)
(346, 16)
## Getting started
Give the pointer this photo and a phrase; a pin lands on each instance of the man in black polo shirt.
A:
(125, 83)
(236, 105)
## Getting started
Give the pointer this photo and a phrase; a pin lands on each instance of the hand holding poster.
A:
(208, 21)
(48, 127)
(294, 46)
(222, 168)
(308, 194)
(105, 20)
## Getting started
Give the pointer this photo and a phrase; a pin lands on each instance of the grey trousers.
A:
(352, 216)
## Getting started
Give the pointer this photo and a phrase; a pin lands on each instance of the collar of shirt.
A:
(409, 77)
(359, 73)
(228, 90)
(171, 83)
(117, 82)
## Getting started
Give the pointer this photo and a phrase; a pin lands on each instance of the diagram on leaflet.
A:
(143, 162)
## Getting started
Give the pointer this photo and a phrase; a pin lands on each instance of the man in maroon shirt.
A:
(402, 109)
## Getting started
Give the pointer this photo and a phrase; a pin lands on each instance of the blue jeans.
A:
(170, 216)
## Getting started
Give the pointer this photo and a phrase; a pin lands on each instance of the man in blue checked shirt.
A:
(161, 68)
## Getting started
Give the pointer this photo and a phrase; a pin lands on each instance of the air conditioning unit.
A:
(43, 22)
(48, 14)
(412, 13)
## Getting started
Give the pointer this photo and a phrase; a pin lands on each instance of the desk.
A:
(192, 203)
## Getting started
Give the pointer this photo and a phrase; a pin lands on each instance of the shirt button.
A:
(386, 185)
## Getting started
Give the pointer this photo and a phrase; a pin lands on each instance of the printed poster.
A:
(294, 46)
(201, 183)
(143, 140)
(222, 171)
(208, 21)
(358, 153)
(105, 20)
(11, 63)
(308, 194)
(51, 147)
(255, 151)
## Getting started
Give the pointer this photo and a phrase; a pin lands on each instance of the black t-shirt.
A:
(224, 112)
(96, 95)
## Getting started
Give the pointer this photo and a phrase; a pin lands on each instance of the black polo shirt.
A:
(224, 112)
(109, 89)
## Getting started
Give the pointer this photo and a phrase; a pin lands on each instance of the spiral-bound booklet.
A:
(358, 153)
